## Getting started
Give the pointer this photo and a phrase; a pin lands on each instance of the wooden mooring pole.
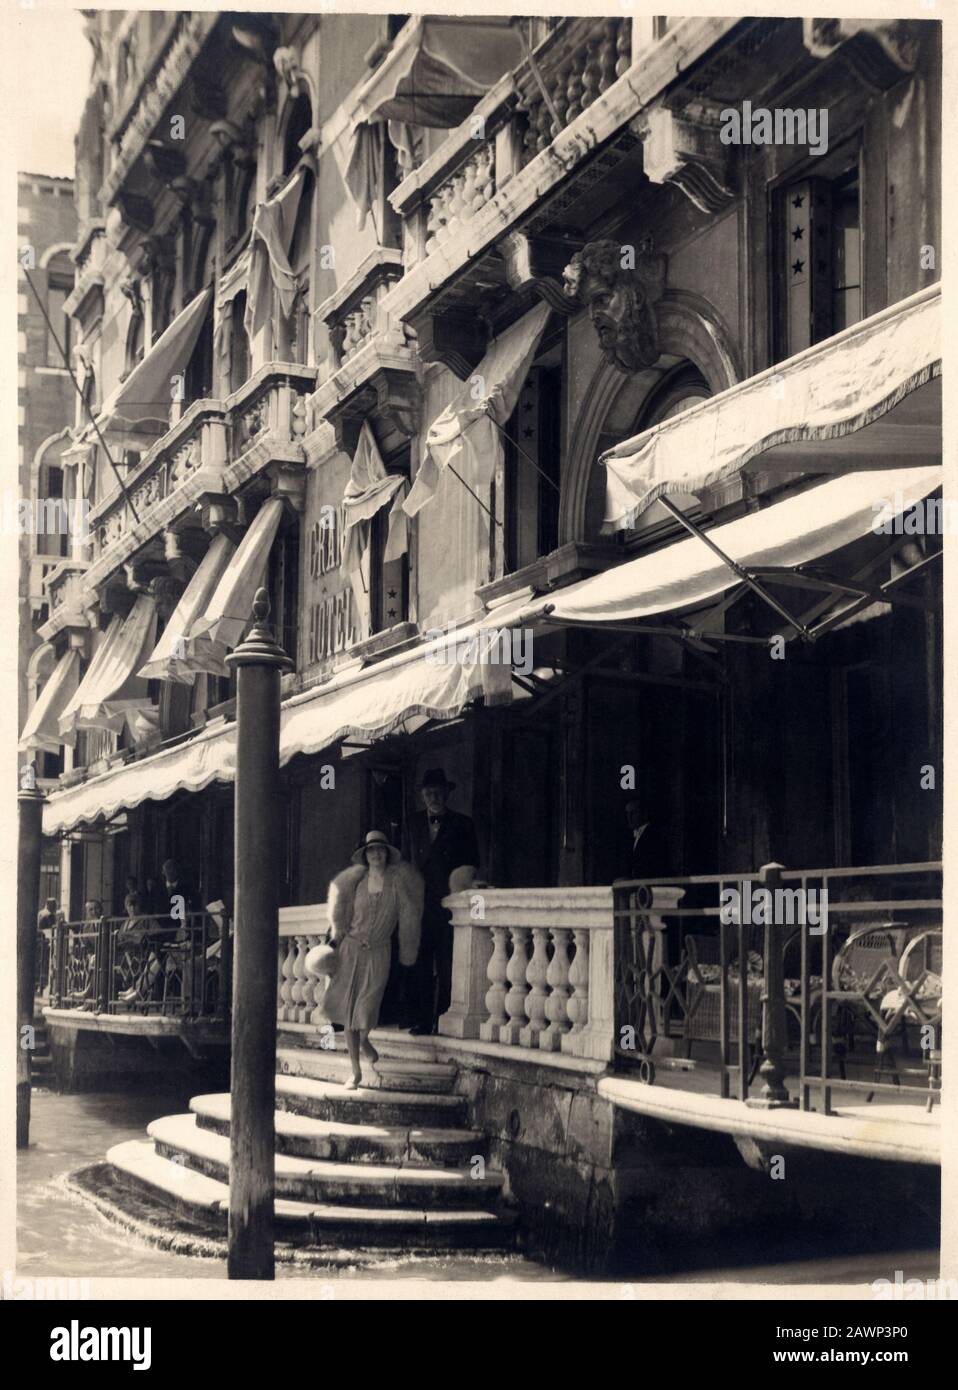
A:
(259, 663)
(30, 829)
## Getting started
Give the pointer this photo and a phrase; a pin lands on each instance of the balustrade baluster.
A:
(557, 1004)
(496, 974)
(623, 47)
(297, 995)
(286, 987)
(579, 980)
(574, 89)
(537, 999)
(591, 73)
(607, 54)
(515, 1000)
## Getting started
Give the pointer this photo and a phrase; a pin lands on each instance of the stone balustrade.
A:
(195, 446)
(460, 197)
(299, 995)
(577, 63)
(532, 968)
(353, 317)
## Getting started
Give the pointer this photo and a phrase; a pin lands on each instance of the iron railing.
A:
(144, 965)
(874, 941)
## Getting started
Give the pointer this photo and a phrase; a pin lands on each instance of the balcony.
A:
(373, 364)
(534, 159)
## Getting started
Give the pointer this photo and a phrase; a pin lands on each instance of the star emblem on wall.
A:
(798, 267)
(798, 233)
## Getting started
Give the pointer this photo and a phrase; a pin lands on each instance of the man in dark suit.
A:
(648, 856)
(440, 841)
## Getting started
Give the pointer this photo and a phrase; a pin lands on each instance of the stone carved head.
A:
(621, 288)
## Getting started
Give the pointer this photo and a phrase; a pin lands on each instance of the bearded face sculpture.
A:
(620, 288)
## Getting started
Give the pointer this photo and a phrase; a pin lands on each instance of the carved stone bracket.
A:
(135, 210)
(287, 64)
(685, 149)
(218, 513)
(879, 52)
(288, 481)
(620, 286)
(455, 337)
(538, 263)
(390, 399)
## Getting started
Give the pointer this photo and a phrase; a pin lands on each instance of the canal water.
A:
(61, 1236)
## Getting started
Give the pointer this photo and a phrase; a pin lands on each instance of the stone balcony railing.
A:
(532, 968)
(578, 62)
(88, 255)
(215, 447)
(300, 996)
(353, 315)
(194, 447)
(513, 156)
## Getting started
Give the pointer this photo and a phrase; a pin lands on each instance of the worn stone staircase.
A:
(390, 1167)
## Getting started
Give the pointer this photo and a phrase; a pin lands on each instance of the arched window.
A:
(59, 286)
(199, 370)
(239, 344)
(135, 341)
(680, 390)
(298, 122)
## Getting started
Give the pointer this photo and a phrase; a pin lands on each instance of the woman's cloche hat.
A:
(376, 837)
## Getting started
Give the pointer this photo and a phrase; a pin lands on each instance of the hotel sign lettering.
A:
(330, 610)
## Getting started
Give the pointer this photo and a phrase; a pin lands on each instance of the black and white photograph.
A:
(479, 529)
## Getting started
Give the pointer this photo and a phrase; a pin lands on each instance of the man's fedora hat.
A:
(435, 777)
(376, 837)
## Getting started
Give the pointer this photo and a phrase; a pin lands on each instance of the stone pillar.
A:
(30, 818)
(260, 663)
(471, 950)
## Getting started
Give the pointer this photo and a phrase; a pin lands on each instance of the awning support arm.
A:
(474, 494)
(881, 594)
(577, 676)
(736, 568)
(516, 445)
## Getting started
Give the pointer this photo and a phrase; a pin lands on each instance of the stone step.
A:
(179, 1138)
(389, 1042)
(389, 1073)
(327, 1100)
(306, 1137)
(205, 1199)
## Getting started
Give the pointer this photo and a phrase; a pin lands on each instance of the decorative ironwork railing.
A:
(145, 965)
(842, 982)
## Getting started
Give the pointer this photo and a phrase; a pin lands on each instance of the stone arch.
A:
(298, 104)
(39, 458)
(59, 248)
(690, 331)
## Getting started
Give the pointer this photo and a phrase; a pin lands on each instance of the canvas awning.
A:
(270, 240)
(688, 574)
(230, 608)
(425, 682)
(169, 660)
(468, 433)
(435, 72)
(369, 489)
(42, 727)
(866, 398)
(144, 398)
(110, 692)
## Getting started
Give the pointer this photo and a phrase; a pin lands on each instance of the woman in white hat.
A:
(366, 904)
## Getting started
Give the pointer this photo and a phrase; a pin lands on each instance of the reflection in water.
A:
(58, 1235)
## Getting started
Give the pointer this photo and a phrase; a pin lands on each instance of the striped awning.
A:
(111, 692)
(42, 727)
(229, 609)
(170, 660)
(869, 397)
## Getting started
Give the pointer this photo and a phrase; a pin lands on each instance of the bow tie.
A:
(435, 820)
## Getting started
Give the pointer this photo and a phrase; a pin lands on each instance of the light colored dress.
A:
(354, 994)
